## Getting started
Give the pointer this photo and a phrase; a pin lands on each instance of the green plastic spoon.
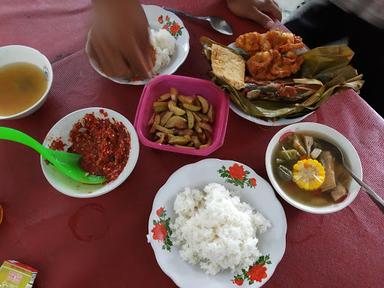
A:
(65, 162)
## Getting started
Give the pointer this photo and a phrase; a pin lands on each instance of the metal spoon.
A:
(372, 194)
(67, 163)
(217, 23)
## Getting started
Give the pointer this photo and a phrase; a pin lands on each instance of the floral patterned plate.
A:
(158, 18)
(252, 189)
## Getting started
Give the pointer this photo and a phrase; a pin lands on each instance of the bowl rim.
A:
(352, 157)
(49, 80)
(268, 123)
(130, 165)
(216, 143)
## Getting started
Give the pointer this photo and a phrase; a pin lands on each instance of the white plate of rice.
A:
(216, 223)
(170, 39)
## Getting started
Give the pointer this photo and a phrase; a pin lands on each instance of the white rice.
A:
(165, 46)
(215, 230)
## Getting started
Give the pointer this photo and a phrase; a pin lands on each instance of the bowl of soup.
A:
(25, 79)
(307, 171)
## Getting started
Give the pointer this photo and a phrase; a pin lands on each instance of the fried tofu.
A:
(228, 66)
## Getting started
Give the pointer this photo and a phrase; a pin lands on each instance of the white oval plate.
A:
(260, 197)
(66, 185)
(278, 122)
(158, 18)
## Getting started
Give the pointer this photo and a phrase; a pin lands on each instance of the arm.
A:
(263, 12)
(120, 40)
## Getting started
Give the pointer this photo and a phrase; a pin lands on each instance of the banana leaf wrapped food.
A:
(316, 75)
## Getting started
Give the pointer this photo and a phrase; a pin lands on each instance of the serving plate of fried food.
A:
(273, 79)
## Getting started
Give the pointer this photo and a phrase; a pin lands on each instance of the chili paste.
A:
(103, 144)
(57, 144)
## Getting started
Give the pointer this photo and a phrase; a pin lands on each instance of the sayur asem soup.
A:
(307, 169)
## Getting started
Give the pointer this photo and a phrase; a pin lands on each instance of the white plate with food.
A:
(170, 39)
(274, 80)
(261, 121)
(216, 223)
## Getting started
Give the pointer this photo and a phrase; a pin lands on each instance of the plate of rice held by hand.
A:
(169, 39)
(273, 79)
(217, 224)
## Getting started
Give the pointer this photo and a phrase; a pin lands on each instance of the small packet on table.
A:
(14, 274)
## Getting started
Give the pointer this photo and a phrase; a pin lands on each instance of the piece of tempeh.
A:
(228, 66)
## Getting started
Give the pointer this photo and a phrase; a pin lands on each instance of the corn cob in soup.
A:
(308, 170)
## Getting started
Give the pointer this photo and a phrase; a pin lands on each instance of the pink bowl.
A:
(186, 86)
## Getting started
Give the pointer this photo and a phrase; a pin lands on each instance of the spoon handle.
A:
(372, 194)
(20, 137)
(185, 13)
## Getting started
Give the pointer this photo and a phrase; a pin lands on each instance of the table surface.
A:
(101, 242)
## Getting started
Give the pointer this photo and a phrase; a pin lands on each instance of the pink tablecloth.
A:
(101, 242)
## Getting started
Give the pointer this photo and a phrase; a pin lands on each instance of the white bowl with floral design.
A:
(251, 189)
(158, 18)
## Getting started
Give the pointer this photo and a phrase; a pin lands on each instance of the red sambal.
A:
(57, 144)
(103, 144)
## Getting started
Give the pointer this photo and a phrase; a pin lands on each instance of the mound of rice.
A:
(215, 230)
(164, 45)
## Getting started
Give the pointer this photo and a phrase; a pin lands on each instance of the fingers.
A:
(122, 45)
(138, 52)
(264, 12)
(98, 55)
(273, 9)
(140, 62)
(262, 19)
(124, 61)
(110, 60)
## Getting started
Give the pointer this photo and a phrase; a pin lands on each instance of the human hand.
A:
(119, 40)
(263, 12)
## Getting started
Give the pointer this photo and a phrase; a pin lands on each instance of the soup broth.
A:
(21, 86)
(318, 196)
